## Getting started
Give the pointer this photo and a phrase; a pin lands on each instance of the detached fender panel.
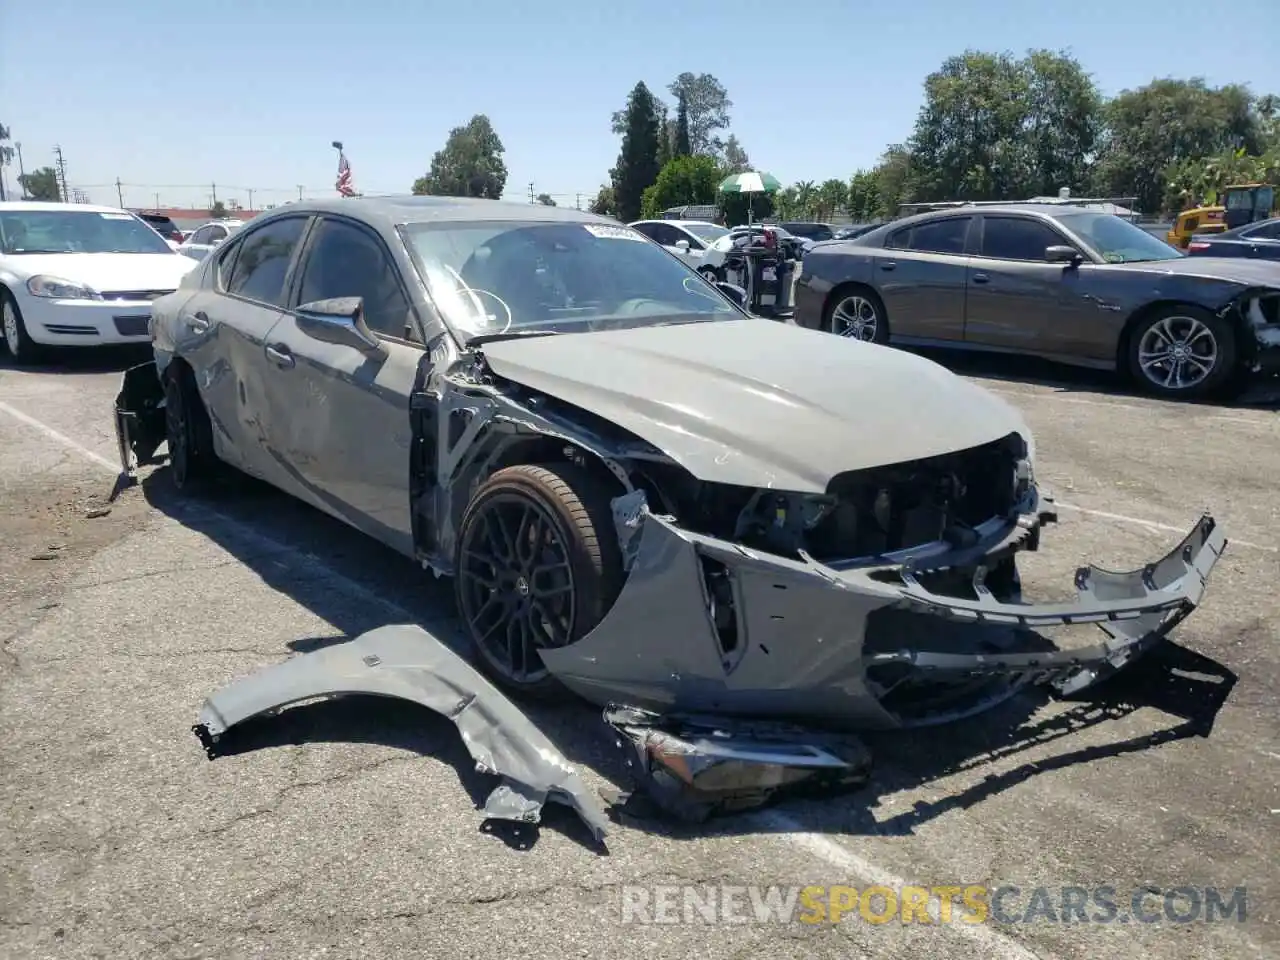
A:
(408, 663)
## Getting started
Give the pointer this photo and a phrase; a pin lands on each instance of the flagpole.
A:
(337, 145)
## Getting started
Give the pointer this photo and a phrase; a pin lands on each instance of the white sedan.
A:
(74, 274)
(208, 237)
(693, 241)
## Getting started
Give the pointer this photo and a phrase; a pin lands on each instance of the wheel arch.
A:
(1143, 312)
(844, 289)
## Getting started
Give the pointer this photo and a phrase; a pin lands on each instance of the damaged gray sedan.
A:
(642, 493)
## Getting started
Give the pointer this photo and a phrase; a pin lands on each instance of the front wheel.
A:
(1183, 352)
(18, 343)
(710, 274)
(538, 566)
(188, 433)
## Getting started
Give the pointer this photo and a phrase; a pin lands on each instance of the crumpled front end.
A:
(708, 626)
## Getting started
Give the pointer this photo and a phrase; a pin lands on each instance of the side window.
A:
(645, 228)
(1016, 238)
(216, 234)
(665, 234)
(694, 242)
(899, 239)
(940, 236)
(263, 261)
(345, 261)
(1268, 231)
(200, 236)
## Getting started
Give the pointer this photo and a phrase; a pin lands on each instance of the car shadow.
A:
(1185, 685)
(82, 360)
(1257, 392)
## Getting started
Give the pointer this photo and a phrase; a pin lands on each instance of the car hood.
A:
(106, 271)
(1250, 273)
(758, 403)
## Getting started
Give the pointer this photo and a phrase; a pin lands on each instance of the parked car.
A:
(1072, 285)
(816, 232)
(640, 491)
(208, 237)
(74, 275)
(1259, 241)
(854, 230)
(792, 247)
(162, 225)
(693, 241)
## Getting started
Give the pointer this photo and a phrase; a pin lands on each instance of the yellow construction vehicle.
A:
(1197, 220)
(1232, 207)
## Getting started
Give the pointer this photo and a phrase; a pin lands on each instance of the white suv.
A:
(691, 241)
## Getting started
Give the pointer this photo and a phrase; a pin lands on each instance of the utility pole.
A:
(531, 198)
(157, 203)
(251, 200)
(120, 193)
(299, 191)
(22, 173)
(61, 173)
(578, 202)
(213, 187)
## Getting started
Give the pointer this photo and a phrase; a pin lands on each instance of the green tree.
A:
(1166, 124)
(41, 184)
(6, 151)
(637, 166)
(806, 198)
(735, 158)
(604, 203)
(707, 107)
(545, 200)
(218, 211)
(785, 204)
(833, 195)
(470, 165)
(864, 195)
(1063, 123)
(684, 180)
(738, 206)
(894, 174)
(682, 146)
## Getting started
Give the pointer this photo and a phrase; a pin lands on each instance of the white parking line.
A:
(63, 439)
(1155, 525)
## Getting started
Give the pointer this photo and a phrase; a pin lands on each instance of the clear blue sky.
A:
(167, 93)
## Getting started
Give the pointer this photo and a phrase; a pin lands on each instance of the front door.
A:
(340, 421)
(1020, 302)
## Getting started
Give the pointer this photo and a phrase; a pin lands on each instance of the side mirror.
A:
(1061, 253)
(340, 321)
(733, 292)
(682, 245)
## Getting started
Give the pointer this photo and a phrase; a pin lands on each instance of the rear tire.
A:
(856, 313)
(710, 274)
(538, 565)
(1183, 352)
(188, 432)
(22, 350)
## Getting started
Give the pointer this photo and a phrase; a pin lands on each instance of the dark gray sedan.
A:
(1260, 241)
(1055, 281)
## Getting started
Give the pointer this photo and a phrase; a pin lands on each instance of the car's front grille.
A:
(135, 295)
(136, 326)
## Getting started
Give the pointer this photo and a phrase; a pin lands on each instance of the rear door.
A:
(921, 276)
(340, 423)
(224, 330)
(1019, 301)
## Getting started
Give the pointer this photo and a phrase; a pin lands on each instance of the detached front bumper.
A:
(798, 644)
(139, 417)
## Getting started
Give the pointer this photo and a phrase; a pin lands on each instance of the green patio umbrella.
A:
(751, 182)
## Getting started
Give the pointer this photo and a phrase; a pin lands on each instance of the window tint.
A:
(216, 234)
(263, 261)
(345, 261)
(200, 236)
(1268, 231)
(1015, 238)
(941, 236)
(665, 234)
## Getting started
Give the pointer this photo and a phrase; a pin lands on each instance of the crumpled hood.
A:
(1251, 273)
(758, 403)
(106, 272)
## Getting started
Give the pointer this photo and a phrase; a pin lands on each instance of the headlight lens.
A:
(56, 288)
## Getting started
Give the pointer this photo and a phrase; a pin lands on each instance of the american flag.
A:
(345, 186)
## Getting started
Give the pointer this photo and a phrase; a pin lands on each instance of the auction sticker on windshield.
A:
(116, 216)
(608, 232)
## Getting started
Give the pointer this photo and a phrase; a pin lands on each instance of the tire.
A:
(188, 432)
(1191, 329)
(495, 597)
(863, 302)
(710, 274)
(19, 346)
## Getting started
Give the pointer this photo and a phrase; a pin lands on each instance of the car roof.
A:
(1242, 229)
(393, 211)
(18, 206)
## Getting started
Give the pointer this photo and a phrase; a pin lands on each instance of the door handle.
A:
(980, 278)
(199, 323)
(279, 354)
(888, 265)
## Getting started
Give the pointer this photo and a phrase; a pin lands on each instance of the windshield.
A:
(516, 278)
(706, 232)
(66, 231)
(1117, 240)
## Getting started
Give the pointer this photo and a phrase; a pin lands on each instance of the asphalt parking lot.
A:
(350, 830)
